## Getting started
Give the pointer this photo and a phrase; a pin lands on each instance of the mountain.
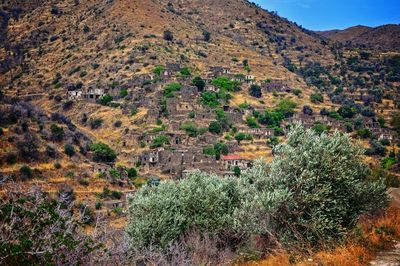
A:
(58, 36)
(386, 37)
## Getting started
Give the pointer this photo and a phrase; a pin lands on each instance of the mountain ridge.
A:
(383, 37)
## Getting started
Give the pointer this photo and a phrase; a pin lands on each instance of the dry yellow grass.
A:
(378, 233)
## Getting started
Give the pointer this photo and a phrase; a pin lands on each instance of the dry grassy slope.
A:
(136, 19)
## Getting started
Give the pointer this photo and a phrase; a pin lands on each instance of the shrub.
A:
(376, 149)
(134, 111)
(199, 83)
(118, 123)
(192, 129)
(158, 70)
(123, 93)
(185, 72)
(252, 122)
(225, 84)
(31, 222)
(96, 123)
(28, 148)
(168, 35)
(271, 118)
(57, 133)
(364, 133)
(286, 106)
(159, 141)
(215, 127)
(316, 98)
(307, 110)
(347, 111)
(1, 131)
(210, 99)
(206, 35)
(202, 201)
(26, 172)
(132, 173)
(105, 100)
(102, 152)
(320, 128)
(171, 88)
(255, 91)
(69, 150)
(297, 92)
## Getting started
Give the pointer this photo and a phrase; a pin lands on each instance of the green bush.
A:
(199, 83)
(364, 133)
(192, 129)
(96, 123)
(123, 93)
(105, 100)
(132, 173)
(162, 214)
(255, 91)
(252, 122)
(316, 98)
(171, 88)
(242, 136)
(102, 152)
(210, 99)
(159, 141)
(57, 133)
(69, 150)
(158, 70)
(185, 72)
(215, 127)
(286, 107)
(26, 172)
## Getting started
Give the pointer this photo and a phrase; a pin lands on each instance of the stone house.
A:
(235, 116)
(93, 94)
(219, 71)
(258, 133)
(173, 67)
(112, 204)
(307, 120)
(230, 161)
(179, 107)
(211, 88)
(151, 159)
(188, 93)
(174, 162)
(102, 168)
(384, 133)
(275, 86)
(74, 95)
(206, 115)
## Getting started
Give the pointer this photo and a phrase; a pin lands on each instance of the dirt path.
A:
(391, 257)
(388, 258)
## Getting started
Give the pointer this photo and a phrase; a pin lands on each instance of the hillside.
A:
(384, 37)
(102, 97)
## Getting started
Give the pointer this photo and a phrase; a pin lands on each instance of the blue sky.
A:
(336, 14)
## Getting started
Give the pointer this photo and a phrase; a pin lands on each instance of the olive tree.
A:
(314, 190)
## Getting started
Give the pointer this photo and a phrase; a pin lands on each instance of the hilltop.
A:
(385, 37)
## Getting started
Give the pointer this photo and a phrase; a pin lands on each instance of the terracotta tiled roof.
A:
(231, 157)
